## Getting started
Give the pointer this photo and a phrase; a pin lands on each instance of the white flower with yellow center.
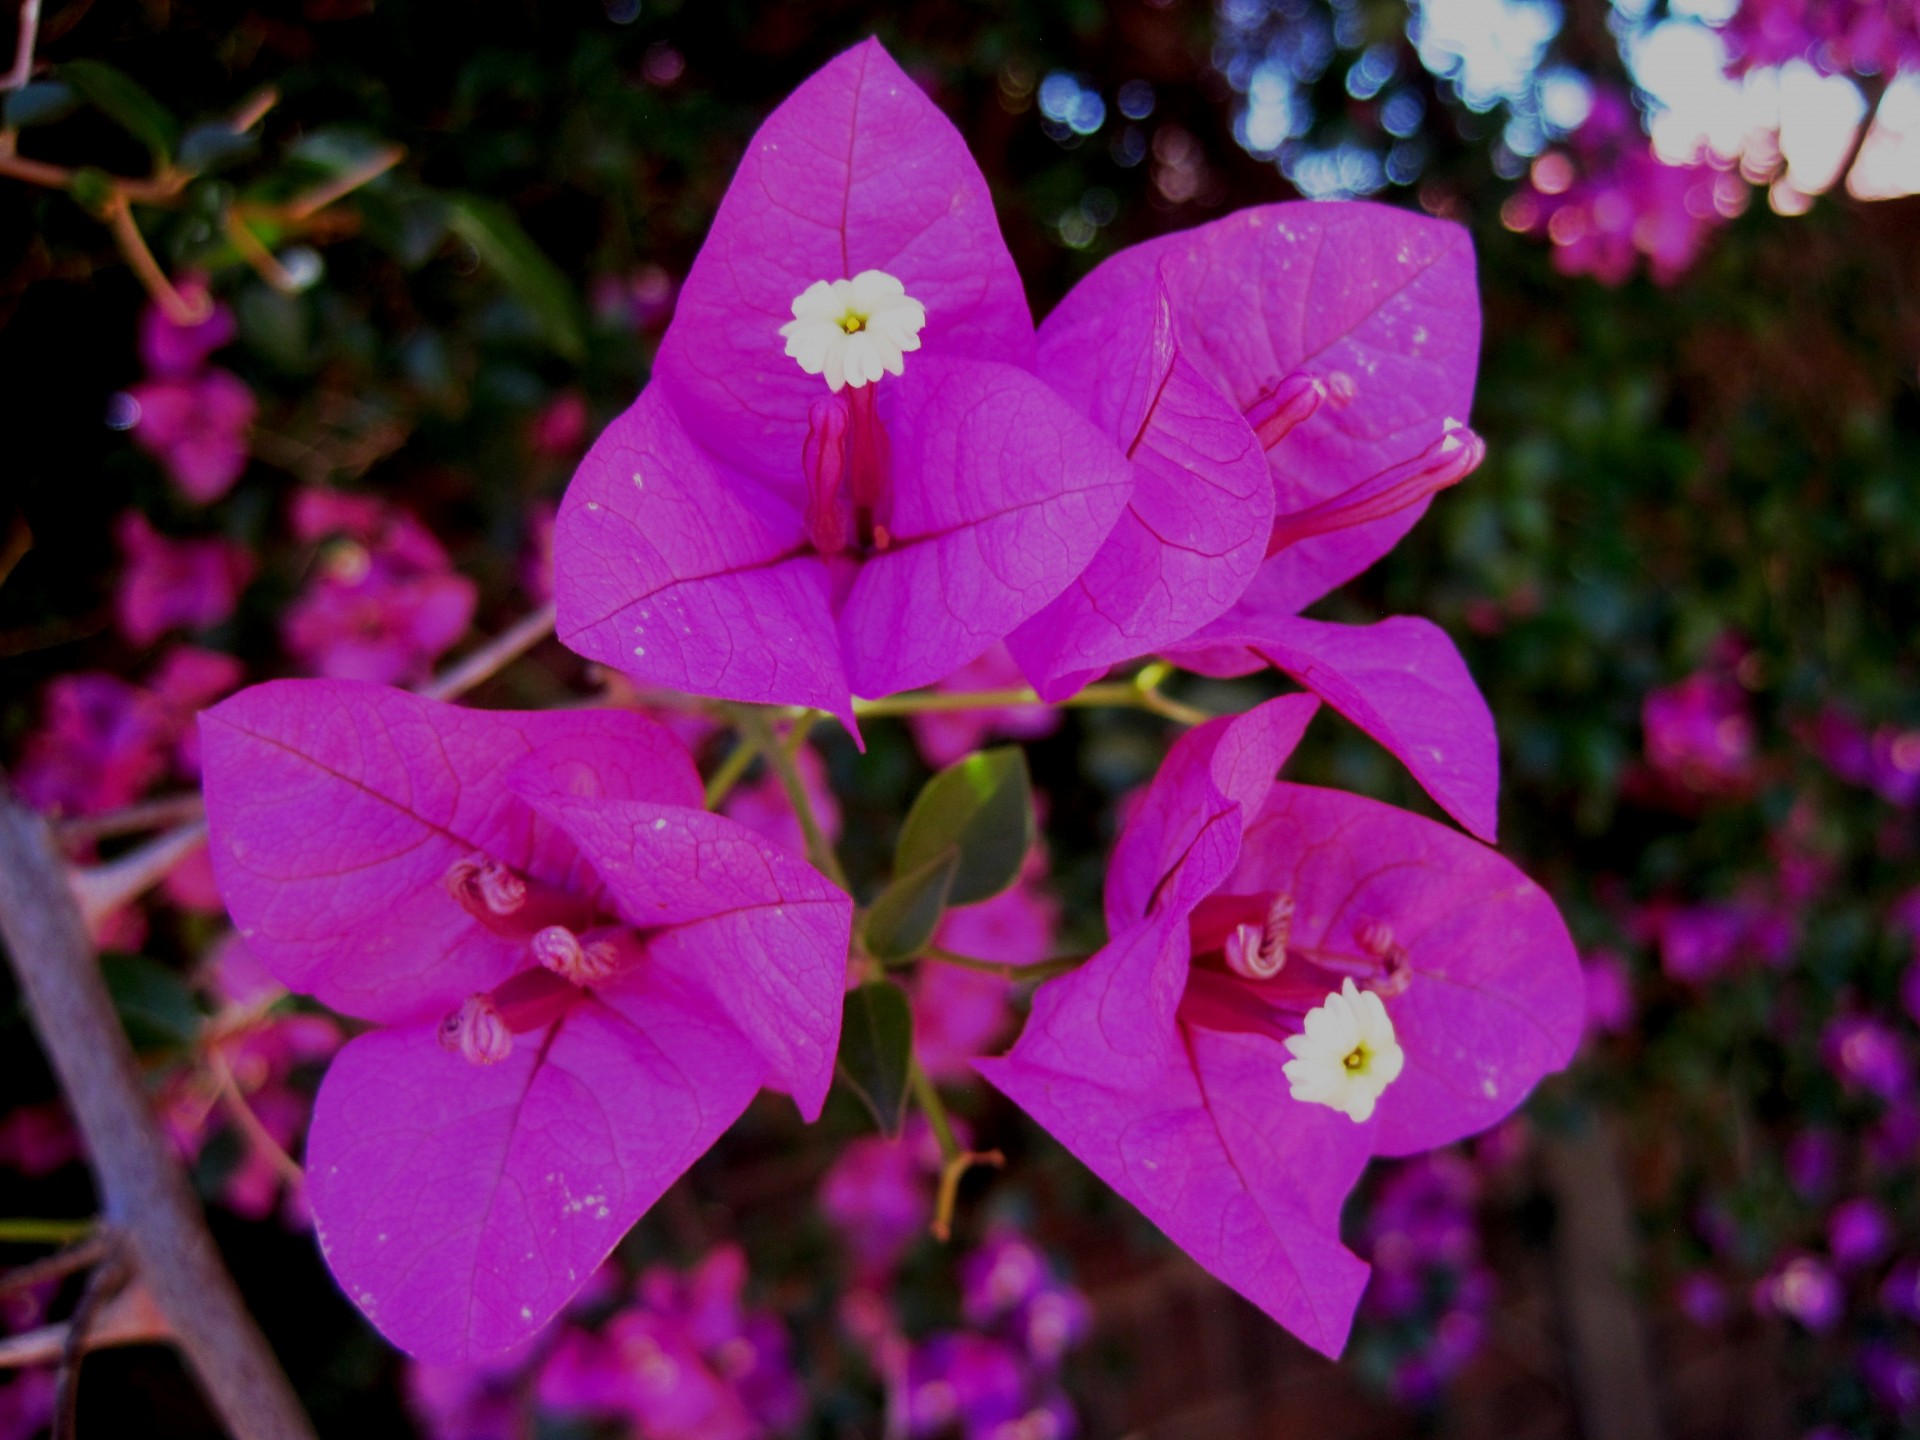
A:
(1347, 1055)
(854, 331)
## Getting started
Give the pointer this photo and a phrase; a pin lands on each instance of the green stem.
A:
(757, 728)
(720, 784)
(1140, 693)
(1044, 970)
(44, 1232)
(954, 1161)
(935, 1109)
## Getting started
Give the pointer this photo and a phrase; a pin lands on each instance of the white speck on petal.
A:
(526, 1312)
(854, 331)
(1347, 1054)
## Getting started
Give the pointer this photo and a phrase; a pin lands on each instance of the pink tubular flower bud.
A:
(477, 1033)
(1448, 461)
(1287, 405)
(823, 460)
(1259, 952)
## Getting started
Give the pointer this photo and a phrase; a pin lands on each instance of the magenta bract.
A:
(745, 530)
(585, 979)
(1160, 1063)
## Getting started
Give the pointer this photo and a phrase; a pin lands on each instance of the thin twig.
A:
(955, 1160)
(133, 246)
(1122, 694)
(756, 727)
(506, 647)
(251, 1126)
(102, 889)
(130, 1318)
(109, 1277)
(264, 262)
(55, 1267)
(730, 772)
(1031, 974)
(152, 814)
(143, 1191)
(22, 70)
(305, 206)
(18, 1231)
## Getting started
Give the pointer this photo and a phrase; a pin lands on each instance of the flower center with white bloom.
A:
(854, 331)
(1346, 1054)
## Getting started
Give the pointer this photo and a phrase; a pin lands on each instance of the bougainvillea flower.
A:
(169, 583)
(1700, 731)
(581, 977)
(102, 742)
(196, 427)
(384, 603)
(818, 494)
(172, 351)
(1238, 906)
(1295, 381)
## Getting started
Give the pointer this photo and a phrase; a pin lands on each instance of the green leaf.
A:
(152, 1001)
(876, 1051)
(981, 806)
(536, 281)
(213, 145)
(127, 102)
(905, 916)
(41, 103)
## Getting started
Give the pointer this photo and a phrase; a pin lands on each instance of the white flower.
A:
(854, 331)
(1348, 1054)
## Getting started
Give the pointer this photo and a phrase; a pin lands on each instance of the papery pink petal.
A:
(1215, 773)
(856, 170)
(461, 1206)
(1497, 996)
(1160, 1147)
(679, 574)
(335, 809)
(1001, 494)
(1195, 528)
(1380, 296)
(1402, 681)
(759, 932)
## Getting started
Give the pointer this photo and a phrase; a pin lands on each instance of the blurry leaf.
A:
(213, 145)
(127, 102)
(876, 1051)
(981, 806)
(536, 281)
(41, 103)
(908, 911)
(92, 189)
(152, 1001)
(336, 150)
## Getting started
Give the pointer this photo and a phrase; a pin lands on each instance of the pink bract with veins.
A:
(581, 976)
(745, 530)
(1292, 384)
(1161, 1063)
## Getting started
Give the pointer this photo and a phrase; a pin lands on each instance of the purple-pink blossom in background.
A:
(579, 980)
(1236, 906)
(173, 584)
(1609, 204)
(384, 602)
(1870, 37)
(1700, 732)
(751, 531)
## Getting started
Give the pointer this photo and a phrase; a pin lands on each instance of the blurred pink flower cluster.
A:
(1609, 204)
(1870, 37)
(190, 416)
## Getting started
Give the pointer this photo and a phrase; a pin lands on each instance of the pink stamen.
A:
(509, 904)
(477, 1033)
(1287, 405)
(576, 959)
(1448, 461)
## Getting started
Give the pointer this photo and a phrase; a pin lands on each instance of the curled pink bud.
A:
(576, 961)
(484, 887)
(1376, 938)
(476, 1032)
(1288, 404)
(1259, 952)
(1341, 389)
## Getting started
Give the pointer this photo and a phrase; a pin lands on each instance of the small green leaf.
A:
(92, 189)
(127, 102)
(981, 806)
(152, 1001)
(536, 281)
(876, 1051)
(908, 911)
(213, 145)
(41, 103)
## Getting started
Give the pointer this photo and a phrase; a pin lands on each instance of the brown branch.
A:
(144, 1192)
(99, 890)
(104, 1285)
(130, 1318)
(87, 1253)
(22, 70)
(153, 814)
